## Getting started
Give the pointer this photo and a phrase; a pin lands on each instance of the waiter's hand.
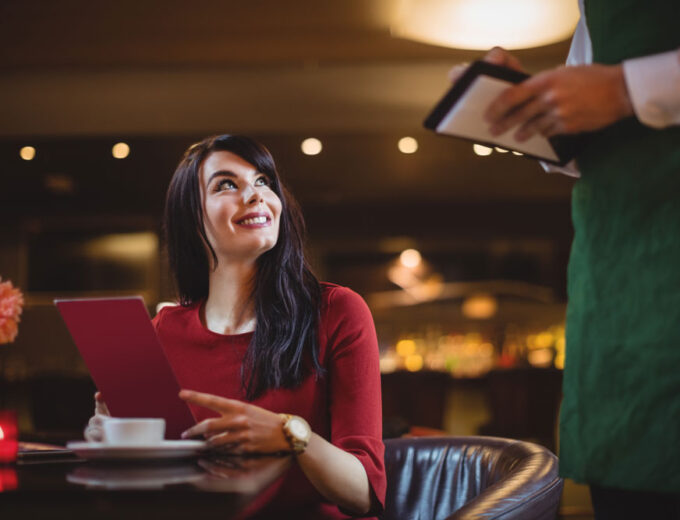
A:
(497, 56)
(562, 100)
(240, 427)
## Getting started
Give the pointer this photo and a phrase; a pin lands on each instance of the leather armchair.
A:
(470, 477)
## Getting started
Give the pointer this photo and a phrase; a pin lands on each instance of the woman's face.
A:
(240, 211)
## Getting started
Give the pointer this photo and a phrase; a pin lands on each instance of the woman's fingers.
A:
(216, 425)
(100, 407)
(94, 431)
(226, 440)
(213, 402)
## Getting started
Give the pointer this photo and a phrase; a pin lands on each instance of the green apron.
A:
(620, 417)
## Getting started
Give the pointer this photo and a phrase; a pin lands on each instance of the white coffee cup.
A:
(122, 431)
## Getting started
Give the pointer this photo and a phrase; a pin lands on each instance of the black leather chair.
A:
(470, 477)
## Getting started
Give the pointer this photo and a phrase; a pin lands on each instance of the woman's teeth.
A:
(254, 220)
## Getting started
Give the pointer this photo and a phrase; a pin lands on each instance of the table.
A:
(67, 487)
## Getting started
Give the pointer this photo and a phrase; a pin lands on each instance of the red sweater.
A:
(343, 406)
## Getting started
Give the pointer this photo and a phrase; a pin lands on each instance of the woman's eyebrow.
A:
(221, 173)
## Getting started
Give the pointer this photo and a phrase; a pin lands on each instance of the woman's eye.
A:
(225, 184)
(262, 181)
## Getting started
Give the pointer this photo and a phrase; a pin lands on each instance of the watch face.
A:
(298, 429)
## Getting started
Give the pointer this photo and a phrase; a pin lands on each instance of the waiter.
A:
(620, 417)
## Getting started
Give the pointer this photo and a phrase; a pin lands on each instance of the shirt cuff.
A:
(653, 84)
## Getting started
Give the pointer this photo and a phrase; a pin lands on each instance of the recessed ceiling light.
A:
(311, 146)
(27, 153)
(120, 150)
(408, 145)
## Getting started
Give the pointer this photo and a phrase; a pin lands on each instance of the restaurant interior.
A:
(460, 250)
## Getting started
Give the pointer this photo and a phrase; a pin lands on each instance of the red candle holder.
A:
(9, 445)
(8, 479)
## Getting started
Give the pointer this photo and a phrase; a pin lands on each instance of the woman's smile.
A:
(255, 220)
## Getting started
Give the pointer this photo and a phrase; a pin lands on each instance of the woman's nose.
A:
(250, 195)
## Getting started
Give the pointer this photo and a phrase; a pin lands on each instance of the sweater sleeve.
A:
(354, 385)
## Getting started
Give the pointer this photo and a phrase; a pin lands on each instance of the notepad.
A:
(126, 360)
(460, 114)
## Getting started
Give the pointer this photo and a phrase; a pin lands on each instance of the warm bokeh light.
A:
(59, 183)
(27, 153)
(480, 149)
(482, 24)
(406, 347)
(311, 146)
(129, 246)
(480, 307)
(120, 150)
(414, 362)
(408, 145)
(410, 258)
(542, 357)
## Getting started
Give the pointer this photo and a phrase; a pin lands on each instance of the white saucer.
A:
(163, 450)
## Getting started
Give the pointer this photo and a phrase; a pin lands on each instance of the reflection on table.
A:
(63, 487)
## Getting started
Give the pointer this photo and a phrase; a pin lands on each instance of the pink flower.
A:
(11, 303)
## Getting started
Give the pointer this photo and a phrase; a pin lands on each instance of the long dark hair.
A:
(286, 294)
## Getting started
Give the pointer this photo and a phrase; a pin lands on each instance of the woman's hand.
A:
(240, 427)
(94, 431)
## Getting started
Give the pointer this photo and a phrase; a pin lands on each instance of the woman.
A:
(256, 335)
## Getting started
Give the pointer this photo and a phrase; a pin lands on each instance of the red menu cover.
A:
(119, 345)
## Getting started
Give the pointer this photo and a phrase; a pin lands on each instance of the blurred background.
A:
(459, 250)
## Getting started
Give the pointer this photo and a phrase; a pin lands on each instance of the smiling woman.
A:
(271, 359)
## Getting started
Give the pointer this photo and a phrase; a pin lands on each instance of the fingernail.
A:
(184, 435)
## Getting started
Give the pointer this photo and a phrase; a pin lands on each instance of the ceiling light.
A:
(500, 150)
(480, 149)
(311, 146)
(408, 145)
(27, 153)
(120, 150)
(482, 24)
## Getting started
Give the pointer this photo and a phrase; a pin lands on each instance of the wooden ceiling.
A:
(150, 67)
(150, 72)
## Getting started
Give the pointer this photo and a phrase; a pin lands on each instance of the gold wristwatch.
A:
(297, 432)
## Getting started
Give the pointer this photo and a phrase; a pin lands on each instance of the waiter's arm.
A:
(584, 98)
